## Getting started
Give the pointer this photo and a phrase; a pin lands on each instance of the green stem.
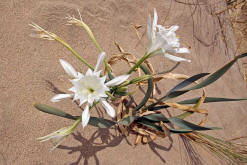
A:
(75, 124)
(110, 95)
(74, 52)
(146, 56)
(90, 33)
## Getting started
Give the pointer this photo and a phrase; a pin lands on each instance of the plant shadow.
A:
(154, 146)
(89, 148)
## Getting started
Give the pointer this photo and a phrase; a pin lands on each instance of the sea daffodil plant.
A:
(145, 119)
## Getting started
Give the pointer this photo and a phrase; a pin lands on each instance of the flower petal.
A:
(72, 89)
(155, 21)
(82, 100)
(100, 59)
(111, 112)
(117, 80)
(89, 72)
(102, 79)
(182, 50)
(173, 28)
(79, 75)
(90, 99)
(68, 68)
(149, 28)
(97, 73)
(85, 116)
(175, 58)
(58, 97)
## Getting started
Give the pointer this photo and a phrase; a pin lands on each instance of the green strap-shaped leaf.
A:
(195, 100)
(185, 126)
(156, 117)
(174, 91)
(149, 124)
(101, 123)
(210, 100)
(212, 78)
(127, 121)
(148, 92)
(187, 82)
(189, 126)
(179, 131)
(54, 111)
(94, 121)
(216, 75)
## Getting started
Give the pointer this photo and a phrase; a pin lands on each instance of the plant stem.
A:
(146, 56)
(90, 33)
(73, 52)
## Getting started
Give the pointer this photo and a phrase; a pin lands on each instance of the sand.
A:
(27, 63)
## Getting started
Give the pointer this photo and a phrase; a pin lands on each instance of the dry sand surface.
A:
(26, 63)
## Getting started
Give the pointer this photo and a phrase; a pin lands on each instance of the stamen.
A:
(91, 90)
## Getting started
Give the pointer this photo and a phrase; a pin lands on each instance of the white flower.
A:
(89, 88)
(164, 39)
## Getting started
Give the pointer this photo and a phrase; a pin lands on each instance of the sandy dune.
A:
(26, 63)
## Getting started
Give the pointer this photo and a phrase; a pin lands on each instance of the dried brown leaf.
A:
(186, 108)
(138, 139)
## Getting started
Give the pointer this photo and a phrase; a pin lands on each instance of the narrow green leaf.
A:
(101, 123)
(108, 70)
(149, 124)
(212, 78)
(127, 121)
(54, 111)
(179, 131)
(174, 91)
(167, 97)
(156, 117)
(187, 82)
(195, 100)
(189, 126)
(210, 100)
(148, 92)
(94, 121)
(216, 75)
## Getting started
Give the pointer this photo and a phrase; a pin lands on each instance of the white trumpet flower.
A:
(164, 39)
(90, 88)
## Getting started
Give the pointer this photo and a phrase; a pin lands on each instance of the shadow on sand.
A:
(89, 148)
